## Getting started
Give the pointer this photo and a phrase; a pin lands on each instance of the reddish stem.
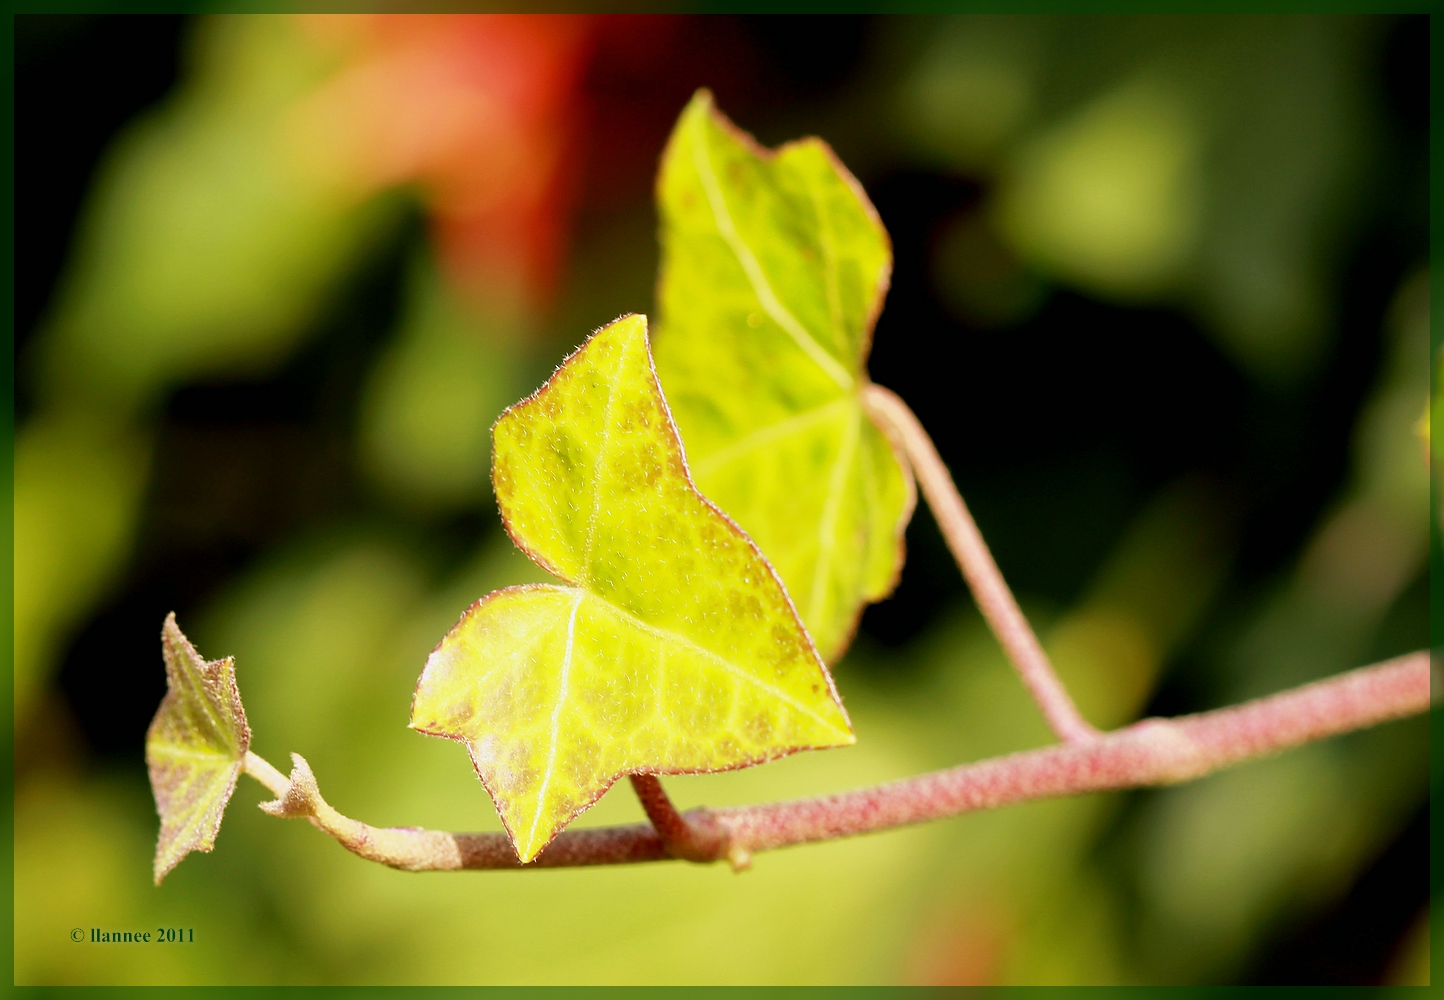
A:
(991, 592)
(695, 839)
(1151, 752)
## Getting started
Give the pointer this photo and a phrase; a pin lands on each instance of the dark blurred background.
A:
(1160, 296)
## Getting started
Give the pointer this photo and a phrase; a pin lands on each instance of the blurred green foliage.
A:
(426, 417)
(1212, 162)
(208, 244)
(1215, 166)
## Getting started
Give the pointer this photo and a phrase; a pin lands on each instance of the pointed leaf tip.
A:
(195, 749)
(670, 646)
(774, 268)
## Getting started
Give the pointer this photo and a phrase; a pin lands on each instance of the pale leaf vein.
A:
(755, 276)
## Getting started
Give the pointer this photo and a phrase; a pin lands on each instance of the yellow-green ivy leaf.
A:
(774, 268)
(195, 749)
(672, 647)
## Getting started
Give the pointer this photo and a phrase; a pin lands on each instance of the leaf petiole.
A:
(995, 600)
(693, 837)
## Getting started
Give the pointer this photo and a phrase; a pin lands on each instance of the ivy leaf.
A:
(673, 646)
(774, 268)
(195, 749)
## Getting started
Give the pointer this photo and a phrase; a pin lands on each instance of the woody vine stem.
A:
(1150, 752)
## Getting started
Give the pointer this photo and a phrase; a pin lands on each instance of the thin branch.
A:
(991, 592)
(1151, 752)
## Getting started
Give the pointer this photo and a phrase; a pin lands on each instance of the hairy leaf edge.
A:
(225, 668)
(511, 834)
(546, 565)
(750, 143)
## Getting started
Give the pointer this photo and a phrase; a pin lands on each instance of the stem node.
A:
(694, 837)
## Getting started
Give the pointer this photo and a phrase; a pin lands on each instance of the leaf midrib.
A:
(563, 687)
(780, 314)
(195, 679)
(663, 635)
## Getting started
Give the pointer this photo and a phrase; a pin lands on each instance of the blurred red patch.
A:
(481, 113)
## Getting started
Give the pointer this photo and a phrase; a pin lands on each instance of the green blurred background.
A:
(1161, 297)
